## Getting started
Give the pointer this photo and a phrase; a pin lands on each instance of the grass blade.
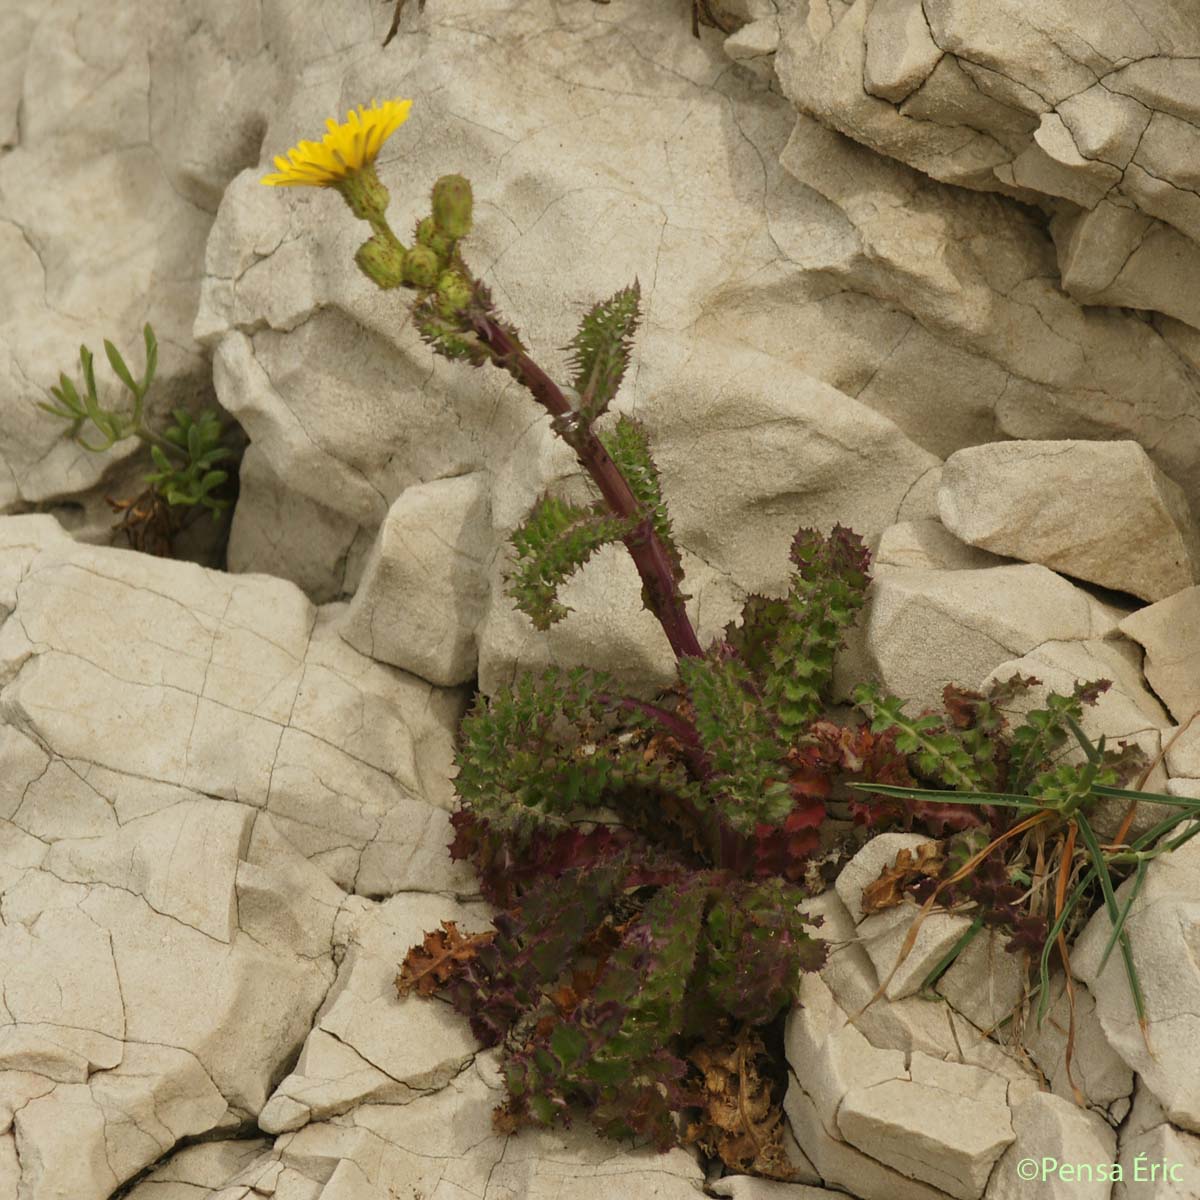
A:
(1138, 879)
(1001, 799)
(943, 964)
(1110, 903)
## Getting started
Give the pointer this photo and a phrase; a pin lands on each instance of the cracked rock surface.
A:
(921, 267)
(1088, 111)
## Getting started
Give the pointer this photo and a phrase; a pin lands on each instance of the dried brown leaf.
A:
(893, 883)
(438, 959)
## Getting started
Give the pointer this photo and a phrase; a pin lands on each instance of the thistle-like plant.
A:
(185, 454)
(647, 857)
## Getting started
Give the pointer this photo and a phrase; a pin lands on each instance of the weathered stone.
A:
(1050, 111)
(1095, 1067)
(1169, 632)
(923, 629)
(1163, 928)
(1161, 1163)
(206, 1166)
(424, 584)
(135, 1027)
(239, 689)
(365, 1045)
(1021, 499)
(926, 544)
(842, 1166)
(985, 983)
(1069, 1146)
(945, 1124)
(107, 109)
(831, 1055)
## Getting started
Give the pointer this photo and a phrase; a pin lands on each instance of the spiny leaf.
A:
(531, 758)
(600, 350)
(738, 736)
(938, 753)
(828, 588)
(629, 448)
(556, 539)
(1045, 731)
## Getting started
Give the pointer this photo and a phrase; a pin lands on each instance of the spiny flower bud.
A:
(422, 267)
(427, 235)
(453, 293)
(382, 262)
(452, 203)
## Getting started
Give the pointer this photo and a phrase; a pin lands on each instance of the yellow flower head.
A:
(345, 150)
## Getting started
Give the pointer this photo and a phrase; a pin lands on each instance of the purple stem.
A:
(643, 543)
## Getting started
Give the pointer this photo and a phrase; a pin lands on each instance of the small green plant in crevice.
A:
(185, 454)
(649, 859)
(1026, 857)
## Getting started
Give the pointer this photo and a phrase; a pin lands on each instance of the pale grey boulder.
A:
(109, 180)
(1169, 632)
(1051, 1130)
(1099, 511)
(1089, 112)
(922, 629)
(424, 584)
(234, 687)
(365, 1045)
(1163, 928)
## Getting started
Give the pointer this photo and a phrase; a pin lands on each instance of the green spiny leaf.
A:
(939, 753)
(556, 539)
(828, 589)
(739, 738)
(600, 350)
(629, 448)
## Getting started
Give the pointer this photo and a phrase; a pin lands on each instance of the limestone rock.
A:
(1080, 110)
(985, 983)
(1169, 632)
(207, 1165)
(234, 687)
(424, 583)
(444, 1143)
(944, 1123)
(1051, 1128)
(1161, 1163)
(923, 629)
(367, 1045)
(108, 109)
(927, 544)
(1136, 534)
(127, 1026)
(1163, 927)
(1096, 1068)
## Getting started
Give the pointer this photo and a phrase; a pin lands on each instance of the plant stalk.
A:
(644, 546)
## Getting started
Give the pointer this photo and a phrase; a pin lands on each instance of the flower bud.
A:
(382, 262)
(421, 267)
(453, 294)
(452, 203)
(427, 235)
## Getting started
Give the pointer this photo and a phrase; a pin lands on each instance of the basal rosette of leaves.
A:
(648, 859)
